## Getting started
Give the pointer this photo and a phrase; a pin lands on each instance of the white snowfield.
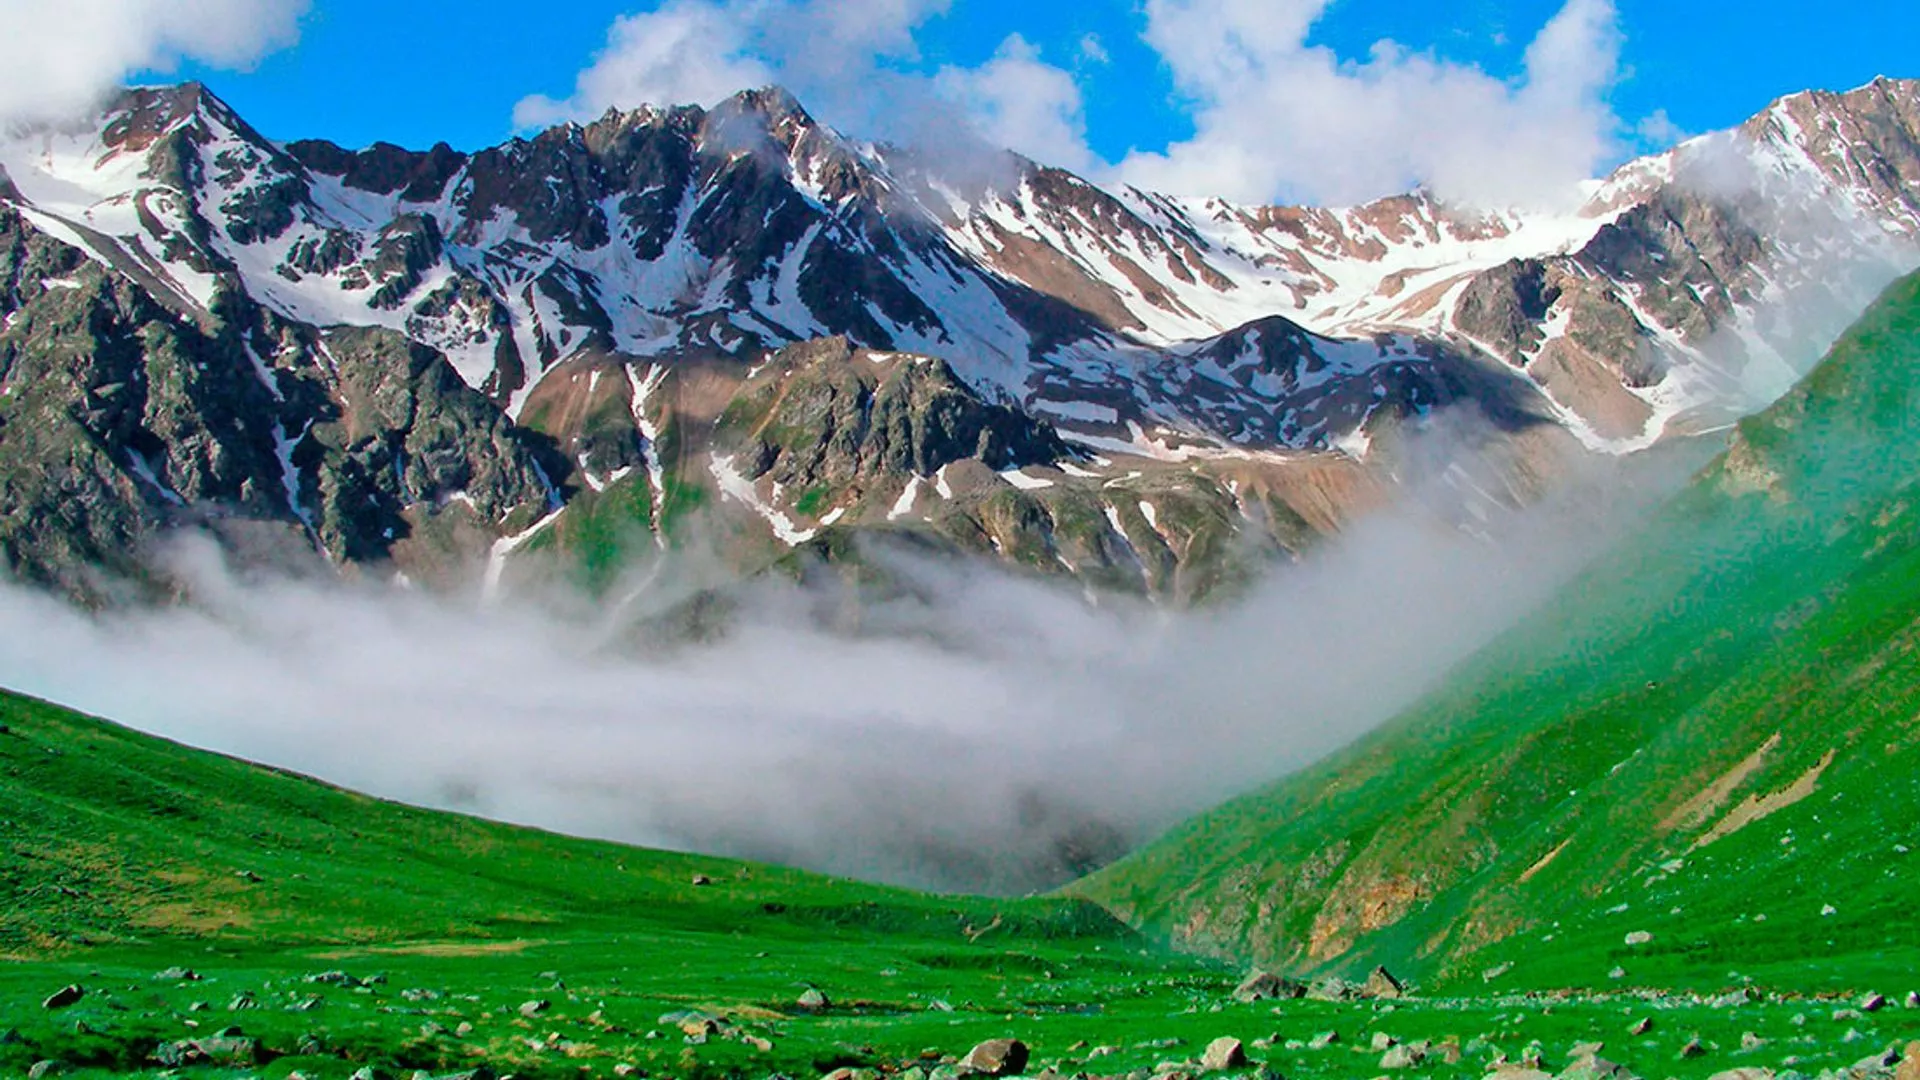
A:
(1173, 369)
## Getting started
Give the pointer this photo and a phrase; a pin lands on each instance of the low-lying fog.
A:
(987, 733)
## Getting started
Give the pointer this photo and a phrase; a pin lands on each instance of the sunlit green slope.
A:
(1709, 744)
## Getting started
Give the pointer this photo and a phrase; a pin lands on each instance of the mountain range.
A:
(404, 360)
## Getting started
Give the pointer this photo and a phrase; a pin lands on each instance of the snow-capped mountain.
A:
(1135, 323)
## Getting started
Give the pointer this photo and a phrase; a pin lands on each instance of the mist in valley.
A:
(972, 730)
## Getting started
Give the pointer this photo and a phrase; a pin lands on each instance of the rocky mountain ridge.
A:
(1169, 334)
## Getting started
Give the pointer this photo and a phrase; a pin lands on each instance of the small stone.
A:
(465, 1029)
(1692, 1050)
(1872, 1003)
(1913, 999)
(535, 1008)
(812, 998)
(1382, 1042)
(1641, 1026)
(368, 1072)
(1222, 1054)
(1382, 985)
(1909, 1064)
(243, 1000)
(63, 997)
(1841, 1016)
(1744, 1074)
(43, 1069)
(701, 881)
(1323, 1040)
(177, 974)
(763, 1045)
(1639, 937)
(625, 1069)
(1617, 974)
(1404, 1056)
(996, 1057)
(1749, 1042)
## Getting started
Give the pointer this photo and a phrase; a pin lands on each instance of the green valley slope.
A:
(1700, 765)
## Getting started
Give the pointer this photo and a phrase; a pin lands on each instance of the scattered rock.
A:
(1841, 1016)
(701, 880)
(222, 1050)
(1872, 1003)
(1382, 1042)
(1495, 972)
(463, 1030)
(625, 1069)
(1639, 937)
(1692, 1050)
(1323, 1040)
(1617, 973)
(813, 999)
(1909, 1064)
(1222, 1054)
(177, 974)
(535, 1008)
(1913, 999)
(763, 1045)
(63, 997)
(1641, 1026)
(43, 1069)
(1404, 1056)
(1594, 1067)
(1877, 1064)
(1381, 984)
(1265, 986)
(368, 1072)
(1749, 1042)
(1333, 990)
(243, 1000)
(996, 1057)
(1744, 1074)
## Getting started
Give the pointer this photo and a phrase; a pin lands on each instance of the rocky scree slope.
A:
(674, 240)
(1697, 764)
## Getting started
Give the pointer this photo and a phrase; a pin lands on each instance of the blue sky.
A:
(1320, 118)
(452, 70)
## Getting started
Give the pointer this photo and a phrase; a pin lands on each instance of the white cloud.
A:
(57, 59)
(684, 53)
(846, 59)
(701, 51)
(1022, 103)
(1277, 118)
(1274, 118)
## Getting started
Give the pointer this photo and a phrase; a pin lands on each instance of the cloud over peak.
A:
(59, 59)
(1275, 118)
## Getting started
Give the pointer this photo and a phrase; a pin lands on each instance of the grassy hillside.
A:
(223, 921)
(1713, 739)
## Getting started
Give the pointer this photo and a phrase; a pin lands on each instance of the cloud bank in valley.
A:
(1276, 118)
(58, 59)
(981, 732)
